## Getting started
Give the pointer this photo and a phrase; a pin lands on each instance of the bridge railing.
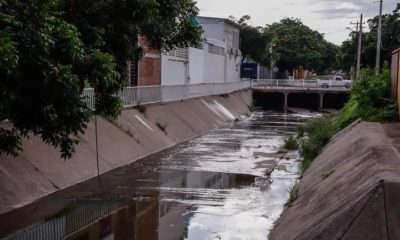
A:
(133, 96)
(286, 83)
(282, 83)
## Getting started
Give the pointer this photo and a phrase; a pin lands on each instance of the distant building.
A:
(215, 60)
(226, 32)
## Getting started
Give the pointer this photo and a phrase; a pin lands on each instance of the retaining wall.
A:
(361, 197)
(39, 171)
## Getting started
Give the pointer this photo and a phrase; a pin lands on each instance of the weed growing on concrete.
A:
(251, 107)
(320, 131)
(282, 151)
(224, 95)
(294, 193)
(291, 143)
(370, 101)
(162, 126)
(141, 108)
(300, 131)
(327, 174)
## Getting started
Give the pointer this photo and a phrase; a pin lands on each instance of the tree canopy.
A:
(255, 42)
(51, 49)
(298, 45)
(390, 42)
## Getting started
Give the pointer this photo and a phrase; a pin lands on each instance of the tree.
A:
(255, 42)
(298, 45)
(51, 49)
(390, 42)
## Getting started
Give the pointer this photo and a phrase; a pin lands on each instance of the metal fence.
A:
(133, 96)
(69, 223)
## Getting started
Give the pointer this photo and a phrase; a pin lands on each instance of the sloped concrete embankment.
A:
(39, 170)
(361, 197)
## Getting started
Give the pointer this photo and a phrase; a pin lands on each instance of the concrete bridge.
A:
(271, 94)
(283, 94)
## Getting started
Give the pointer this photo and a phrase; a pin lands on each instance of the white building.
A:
(216, 60)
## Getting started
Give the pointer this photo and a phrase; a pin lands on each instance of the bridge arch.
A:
(304, 100)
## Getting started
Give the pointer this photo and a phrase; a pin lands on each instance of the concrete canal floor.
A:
(228, 184)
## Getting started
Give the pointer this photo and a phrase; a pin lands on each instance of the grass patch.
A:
(369, 101)
(282, 151)
(327, 174)
(294, 193)
(291, 143)
(141, 108)
(252, 107)
(319, 130)
(162, 126)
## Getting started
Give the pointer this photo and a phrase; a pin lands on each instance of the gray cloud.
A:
(337, 12)
(329, 8)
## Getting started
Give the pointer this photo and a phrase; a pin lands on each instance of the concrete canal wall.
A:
(39, 171)
(351, 191)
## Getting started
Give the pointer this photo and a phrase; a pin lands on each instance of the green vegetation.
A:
(162, 126)
(327, 174)
(291, 143)
(298, 45)
(390, 42)
(224, 95)
(141, 108)
(319, 131)
(370, 101)
(50, 50)
(294, 193)
(251, 107)
(255, 42)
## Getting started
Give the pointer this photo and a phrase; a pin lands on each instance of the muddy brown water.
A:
(227, 184)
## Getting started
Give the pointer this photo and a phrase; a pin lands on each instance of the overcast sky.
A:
(330, 17)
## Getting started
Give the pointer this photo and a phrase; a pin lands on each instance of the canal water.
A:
(231, 183)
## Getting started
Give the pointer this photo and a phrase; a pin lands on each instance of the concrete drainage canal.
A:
(228, 184)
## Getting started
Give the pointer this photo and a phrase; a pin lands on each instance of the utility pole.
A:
(359, 47)
(360, 32)
(378, 41)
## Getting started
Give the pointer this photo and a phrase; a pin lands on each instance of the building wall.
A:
(175, 67)
(196, 64)
(395, 74)
(233, 67)
(214, 63)
(213, 28)
(149, 71)
(149, 67)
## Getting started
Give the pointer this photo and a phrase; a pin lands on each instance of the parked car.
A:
(336, 82)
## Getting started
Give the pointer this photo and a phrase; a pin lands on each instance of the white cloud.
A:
(330, 17)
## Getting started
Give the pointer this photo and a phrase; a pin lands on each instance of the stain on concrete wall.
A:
(39, 170)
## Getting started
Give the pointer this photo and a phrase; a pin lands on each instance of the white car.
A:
(336, 82)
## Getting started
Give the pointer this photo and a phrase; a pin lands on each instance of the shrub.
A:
(370, 100)
(291, 143)
(294, 193)
(141, 108)
(320, 130)
(327, 174)
(162, 126)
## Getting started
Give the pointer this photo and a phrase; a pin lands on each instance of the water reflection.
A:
(229, 184)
